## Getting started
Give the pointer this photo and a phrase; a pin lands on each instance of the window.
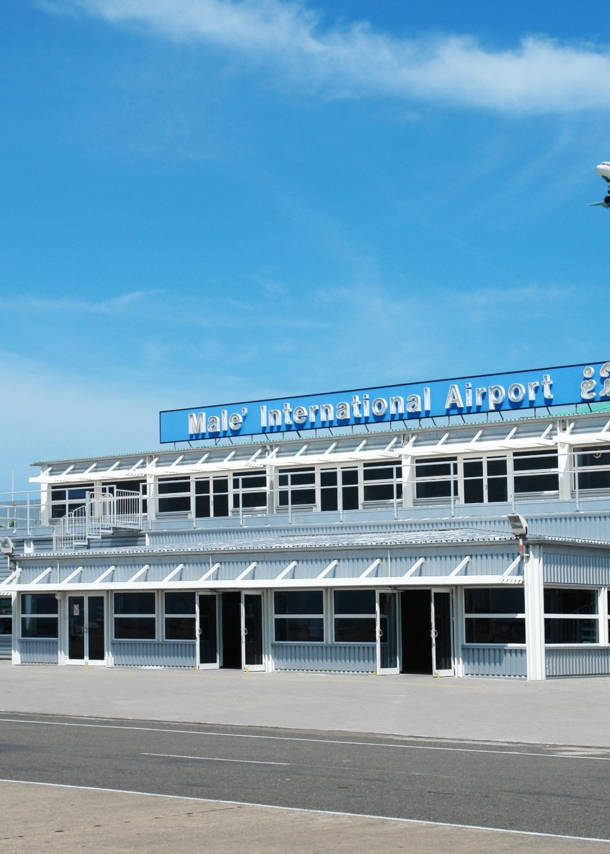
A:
(569, 615)
(175, 495)
(65, 500)
(593, 468)
(535, 471)
(6, 619)
(250, 490)
(134, 616)
(297, 487)
(180, 617)
(39, 615)
(485, 480)
(329, 496)
(355, 616)
(349, 489)
(433, 478)
(212, 497)
(382, 481)
(495, 615)
(299, 616)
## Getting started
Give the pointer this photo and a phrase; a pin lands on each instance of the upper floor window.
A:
(436, 478)
(250, 491)
(297, 487)
(382, 481)
(536, 471)
(593, 468)
(66, 499)
(485, 480)
(211, 497)
(174, 495)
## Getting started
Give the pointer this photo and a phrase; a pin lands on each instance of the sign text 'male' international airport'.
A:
(505, 392)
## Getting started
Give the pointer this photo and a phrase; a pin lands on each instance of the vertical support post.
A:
(576, 484)
(395, 495)
(452, 490)
(27, 513)
(534, 613)
(564, 470)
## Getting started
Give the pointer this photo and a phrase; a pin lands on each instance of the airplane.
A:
(603, 170)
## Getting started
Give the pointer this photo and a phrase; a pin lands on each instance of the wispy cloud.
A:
(540, 75)
(114, 305)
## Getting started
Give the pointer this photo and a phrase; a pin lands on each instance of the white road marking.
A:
(314, 812)
(214, 759)
(320, 740)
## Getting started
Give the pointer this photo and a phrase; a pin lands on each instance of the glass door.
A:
(207, 631)
(86, 629)
(387, 633)
(76, 628)
(442, 633)
(252, 631)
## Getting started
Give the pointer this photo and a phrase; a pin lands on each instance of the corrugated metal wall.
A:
(5, 646)
(576, 569)
(38, 651)
(153, 654)
(494, 661)
(324, 657)
(578, 662)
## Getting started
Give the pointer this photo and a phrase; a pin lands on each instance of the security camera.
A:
(518, 524)
(6, 546)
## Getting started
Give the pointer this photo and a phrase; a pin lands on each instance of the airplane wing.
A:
(599, 205)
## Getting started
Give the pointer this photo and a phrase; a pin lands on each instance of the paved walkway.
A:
(568, 711)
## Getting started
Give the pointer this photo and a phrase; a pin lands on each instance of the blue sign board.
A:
(466, 395)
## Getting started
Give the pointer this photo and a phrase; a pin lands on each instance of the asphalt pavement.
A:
(541, 789)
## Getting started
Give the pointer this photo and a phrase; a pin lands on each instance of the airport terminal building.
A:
(363, 531)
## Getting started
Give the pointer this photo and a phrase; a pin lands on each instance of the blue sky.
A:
(214, 200)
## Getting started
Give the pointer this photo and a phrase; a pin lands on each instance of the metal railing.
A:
(102, 513)
(19, 510)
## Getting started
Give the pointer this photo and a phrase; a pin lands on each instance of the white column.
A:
(408, 480)
(564, 463)
(534, 614)
(151, 497)
(45, 504)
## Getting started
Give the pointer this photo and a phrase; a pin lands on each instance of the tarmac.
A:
(566, 711)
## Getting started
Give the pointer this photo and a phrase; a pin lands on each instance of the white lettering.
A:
(196, 422)
(531, 390)
(299, 415)
(496, 395)
(356, 406)
(365, 405)
(287, 413)
(327, 412)
(479, 395)
(547, 382)
(275, 418)
(427, 401)
(224, 420)
(454, 398)
(468, 395)
(414, 403)
(312, 413)
(379, 406)
(343, 411)
(213, 424)
(235, 421)
(397, 405)
(263, 416)
(516, 392)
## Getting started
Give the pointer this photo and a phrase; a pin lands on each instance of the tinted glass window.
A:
(134, 603)
(39, 627)
(39, 603)
(169, 487)
(570, 631)
(178, 602)
(354, 630)
(180, 628)
(299, 602)
(565, 601)
(300, 630)
(492, 600)
(495, 630)
(354, 601)
(134, 628)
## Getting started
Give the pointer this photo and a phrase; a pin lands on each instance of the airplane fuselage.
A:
(603, 170)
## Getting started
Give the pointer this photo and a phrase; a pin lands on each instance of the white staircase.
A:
(103, 513)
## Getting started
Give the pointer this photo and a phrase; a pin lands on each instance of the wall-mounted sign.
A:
(466, 395)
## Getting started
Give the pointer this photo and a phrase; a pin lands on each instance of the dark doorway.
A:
(416, 628)
(208, 645)
(76, 628)
(95, 614)
(231, 631)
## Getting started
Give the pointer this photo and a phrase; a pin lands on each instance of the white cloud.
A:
(539, 76)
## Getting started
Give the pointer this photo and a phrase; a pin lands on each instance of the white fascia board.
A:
(273, 584)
